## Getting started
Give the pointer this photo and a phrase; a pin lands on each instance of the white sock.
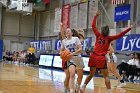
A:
(64, 90)
(71, 91)
(84, 85)
(77, 85)
(109, 91)
(135, 78)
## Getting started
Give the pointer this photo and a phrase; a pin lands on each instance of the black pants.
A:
(31, 58)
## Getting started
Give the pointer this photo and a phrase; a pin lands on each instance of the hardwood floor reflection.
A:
(26, 79)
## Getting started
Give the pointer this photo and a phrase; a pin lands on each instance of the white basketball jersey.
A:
(71, 44)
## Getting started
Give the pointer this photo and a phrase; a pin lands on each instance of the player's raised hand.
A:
(98, 13)
(133, 26)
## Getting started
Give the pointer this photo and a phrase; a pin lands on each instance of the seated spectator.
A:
(16, 56)
(132, 67)
(137, 69)
(22, 56)
(125, 67)
(30, 58)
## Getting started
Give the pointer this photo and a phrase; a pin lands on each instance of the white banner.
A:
(19, 5)
(82, 21)
(57, 20)
(74, 17)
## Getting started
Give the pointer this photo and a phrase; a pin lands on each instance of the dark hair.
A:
(105, 31)
(138, 57)
(138, 54)
(75, 33)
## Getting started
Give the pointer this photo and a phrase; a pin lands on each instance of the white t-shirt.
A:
(22, 55)
(137, 62)
(131, 62)
(71, 44)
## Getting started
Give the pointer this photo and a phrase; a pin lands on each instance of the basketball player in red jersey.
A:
(97, 57)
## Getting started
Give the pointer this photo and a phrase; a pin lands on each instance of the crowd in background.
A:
(130, 69)
(19, 57)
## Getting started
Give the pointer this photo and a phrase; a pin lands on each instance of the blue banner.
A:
(85, 45)
(122, 13)
(57, 44)
(1, 49)
(128, 43)
(42, 45)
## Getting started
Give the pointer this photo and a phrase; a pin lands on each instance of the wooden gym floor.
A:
(26, 79)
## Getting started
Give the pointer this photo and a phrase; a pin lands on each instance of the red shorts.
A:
(97, 61)
(64, 66)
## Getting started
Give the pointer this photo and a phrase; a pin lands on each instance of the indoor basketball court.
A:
(69, 46)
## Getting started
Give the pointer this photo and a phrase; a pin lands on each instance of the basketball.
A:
(65, 55)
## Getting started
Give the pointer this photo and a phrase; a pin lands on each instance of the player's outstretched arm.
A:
(114, 37)
(62, 31)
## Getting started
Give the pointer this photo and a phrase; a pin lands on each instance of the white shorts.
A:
(79, 62)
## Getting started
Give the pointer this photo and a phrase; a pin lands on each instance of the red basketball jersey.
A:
(102, 43)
